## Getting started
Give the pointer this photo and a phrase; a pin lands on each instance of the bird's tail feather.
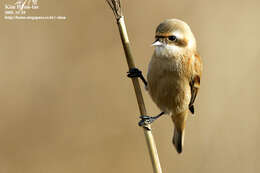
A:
(178, 139)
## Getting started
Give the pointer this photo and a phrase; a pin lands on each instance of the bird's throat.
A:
(168, 51)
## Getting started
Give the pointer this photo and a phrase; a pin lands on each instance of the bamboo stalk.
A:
(116, 8)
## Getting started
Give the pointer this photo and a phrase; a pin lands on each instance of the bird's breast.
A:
(167, 85)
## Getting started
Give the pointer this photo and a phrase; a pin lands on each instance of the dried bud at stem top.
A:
(116, 8)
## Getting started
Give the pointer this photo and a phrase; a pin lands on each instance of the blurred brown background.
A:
(67, 105)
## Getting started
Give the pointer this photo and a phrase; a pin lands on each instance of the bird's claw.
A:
(134, 72)
(145, 120)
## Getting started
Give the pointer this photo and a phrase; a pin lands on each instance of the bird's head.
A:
(173, 37)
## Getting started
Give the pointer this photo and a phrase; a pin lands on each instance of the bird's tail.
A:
(179, 127)
(178, 139)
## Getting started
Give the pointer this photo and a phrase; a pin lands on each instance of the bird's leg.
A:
(145, 120)
(135, 72)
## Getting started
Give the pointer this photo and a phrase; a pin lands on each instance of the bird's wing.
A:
(195, 81)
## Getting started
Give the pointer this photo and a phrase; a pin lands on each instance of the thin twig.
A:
(116, 8)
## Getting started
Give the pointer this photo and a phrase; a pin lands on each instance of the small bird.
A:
(173, 78)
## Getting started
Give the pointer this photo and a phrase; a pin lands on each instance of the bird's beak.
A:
(157, 43)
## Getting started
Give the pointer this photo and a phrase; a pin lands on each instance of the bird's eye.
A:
(172, 38)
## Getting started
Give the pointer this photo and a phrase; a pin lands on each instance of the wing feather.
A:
(195, 81)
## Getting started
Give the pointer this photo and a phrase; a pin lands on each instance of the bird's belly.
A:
(171, 93)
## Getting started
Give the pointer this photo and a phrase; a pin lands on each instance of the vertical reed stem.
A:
(116, 7)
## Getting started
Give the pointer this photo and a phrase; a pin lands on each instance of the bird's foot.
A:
(145, 120)
(134, 72)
